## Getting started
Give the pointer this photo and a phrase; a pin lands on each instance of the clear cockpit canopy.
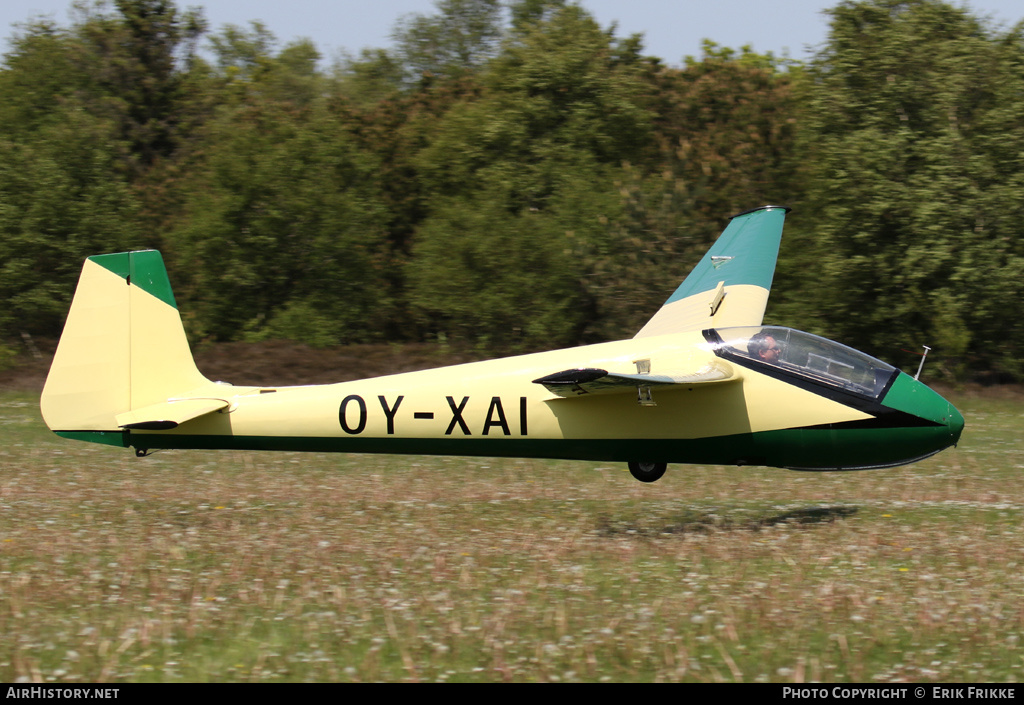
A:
(807, 356)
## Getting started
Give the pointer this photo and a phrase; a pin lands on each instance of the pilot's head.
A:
(764, 347)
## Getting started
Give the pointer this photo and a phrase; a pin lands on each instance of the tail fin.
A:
(123, 348)
(730, 285)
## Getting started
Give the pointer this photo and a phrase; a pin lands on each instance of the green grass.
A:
(238, 566)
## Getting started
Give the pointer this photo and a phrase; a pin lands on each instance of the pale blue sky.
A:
(672, 28)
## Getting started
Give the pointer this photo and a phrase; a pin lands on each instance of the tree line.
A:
(513, 176)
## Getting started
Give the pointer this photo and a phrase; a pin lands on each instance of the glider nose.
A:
(930, 423)
(955, 422)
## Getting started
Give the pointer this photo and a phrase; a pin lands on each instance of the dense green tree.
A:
(62, 198)
(727, 125)
(725, 130)
(241, 53)
(556, 98)
(652, 240)
(457, 40)
(917, 134)
(526, 13)
(454, 43)
(130, 58)
(248, 68)
(504, 281)
(85, 114)
(281, 234)
(537, 152)
(40, 71)
(375, 76)
(394, 131)
(514, 175)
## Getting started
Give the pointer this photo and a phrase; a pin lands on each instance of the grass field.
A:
(238, 566)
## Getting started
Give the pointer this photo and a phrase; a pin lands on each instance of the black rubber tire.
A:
(647, 472)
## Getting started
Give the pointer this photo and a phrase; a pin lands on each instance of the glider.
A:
(704, 381)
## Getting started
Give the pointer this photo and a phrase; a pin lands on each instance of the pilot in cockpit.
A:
(765, 348)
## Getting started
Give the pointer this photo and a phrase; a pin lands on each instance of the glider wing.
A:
(730, 285)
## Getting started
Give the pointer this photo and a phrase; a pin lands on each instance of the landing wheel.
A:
(647, 472)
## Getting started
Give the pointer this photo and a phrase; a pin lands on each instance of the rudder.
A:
(123, 348)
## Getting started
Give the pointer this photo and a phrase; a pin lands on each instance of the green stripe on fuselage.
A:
(813, 448)
(110, 438)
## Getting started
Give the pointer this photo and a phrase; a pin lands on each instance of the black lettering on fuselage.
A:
(495, 417)
(457, 417)
(500, 421)
(390, 413)
(362, 414)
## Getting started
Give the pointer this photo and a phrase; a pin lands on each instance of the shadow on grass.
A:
(697, 521)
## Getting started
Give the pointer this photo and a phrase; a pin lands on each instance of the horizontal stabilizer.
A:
(169, 414)
(590, 380)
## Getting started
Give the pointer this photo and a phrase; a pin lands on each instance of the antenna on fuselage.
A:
(923, 358)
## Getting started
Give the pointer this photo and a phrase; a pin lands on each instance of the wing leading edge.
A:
(730, 285)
